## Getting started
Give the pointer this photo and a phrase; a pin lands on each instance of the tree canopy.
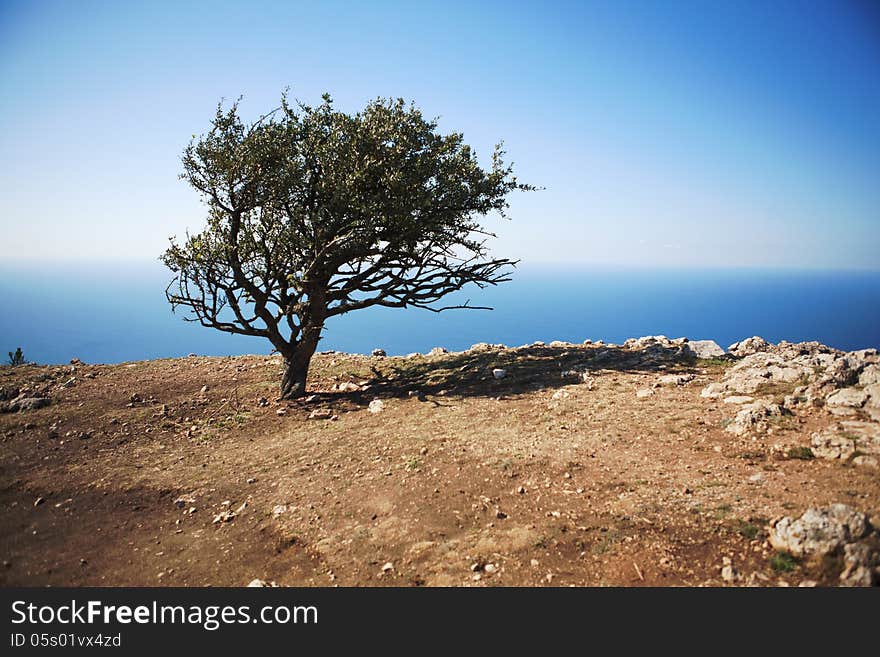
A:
(313, 213)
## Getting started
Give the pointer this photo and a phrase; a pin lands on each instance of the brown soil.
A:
(486, 482)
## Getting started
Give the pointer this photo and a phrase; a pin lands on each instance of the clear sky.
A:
(702, 133)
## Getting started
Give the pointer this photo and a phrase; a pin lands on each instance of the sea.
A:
(117, 312)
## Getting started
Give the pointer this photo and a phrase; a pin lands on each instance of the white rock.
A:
(846, 401)
(749, 346)
(704, 348)
(499, 373)
(676, 379)
(644, 392)
(818, 531)
(376, 406)
(739, 399)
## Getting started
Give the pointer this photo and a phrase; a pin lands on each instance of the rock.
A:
(437, 351)
(378, 353)
(262, 402)
(281, 412)
(185, 501)
(753, 416)
(739, 399)
(846, 401)
(480, 346)
(321, 414)
(279, 510)
(644, 392)
(376, 406)
(561, 394)
(26, 404)
(870, 374)
(204, 389)
(749, 346)
(387, 567)
(713, 390)
(728, 574)
(860, 565)
(829, 445)
(499, 373)
(261, 583)
(224, 516)
(818, 531)
(676, 379)
(39, 501)
(704, 348)
(348, 386)
(559, 344)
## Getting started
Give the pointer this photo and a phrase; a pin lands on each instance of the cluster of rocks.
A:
(835, 530)
(13, 400)
(807, 375)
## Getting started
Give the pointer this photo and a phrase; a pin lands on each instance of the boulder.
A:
(753, 416)
(749, 346)
(830, 445)
(860, 565)
(870, 374)
(704, 349)
(846, 401)
(378, 352)
(819, 531)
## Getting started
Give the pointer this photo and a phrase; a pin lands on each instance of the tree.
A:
(314, 213)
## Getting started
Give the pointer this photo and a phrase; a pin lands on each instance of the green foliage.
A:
(783, 562)
(16, 358)
(802, 453)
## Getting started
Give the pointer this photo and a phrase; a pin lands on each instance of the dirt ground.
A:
(177, 473)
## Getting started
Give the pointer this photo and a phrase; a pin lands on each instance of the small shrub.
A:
(783, 562)
(16, 358)
(802, 453)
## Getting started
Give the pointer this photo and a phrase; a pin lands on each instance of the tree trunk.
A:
(296, 370)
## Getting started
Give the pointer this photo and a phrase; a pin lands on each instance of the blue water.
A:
(113, 313)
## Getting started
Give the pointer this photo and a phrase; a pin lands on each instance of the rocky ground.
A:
(655, 462)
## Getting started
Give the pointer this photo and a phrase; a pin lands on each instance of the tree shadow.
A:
(472, 373)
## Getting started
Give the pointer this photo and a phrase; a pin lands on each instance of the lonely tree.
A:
(313, 213)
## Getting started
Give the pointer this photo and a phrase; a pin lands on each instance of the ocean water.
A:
(108, 313)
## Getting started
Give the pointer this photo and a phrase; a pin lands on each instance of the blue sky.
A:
(685, 134)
